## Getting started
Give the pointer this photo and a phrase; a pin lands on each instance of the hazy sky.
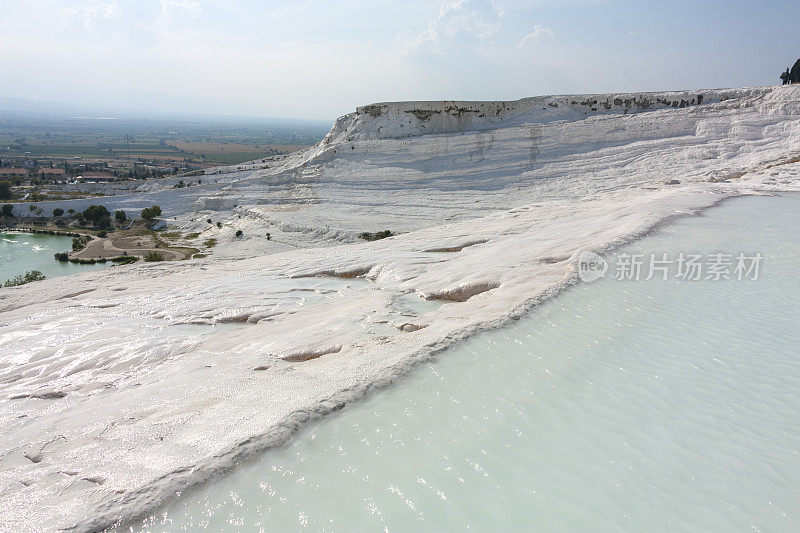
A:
(320, 59)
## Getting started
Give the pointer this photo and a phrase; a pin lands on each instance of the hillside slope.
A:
(124, 385)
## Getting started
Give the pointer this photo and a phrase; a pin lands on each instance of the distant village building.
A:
(56, 174)
(13, 173)
(791, 75)
(96, 177)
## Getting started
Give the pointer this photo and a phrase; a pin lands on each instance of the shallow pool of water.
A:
(21, 252)
(620, 406)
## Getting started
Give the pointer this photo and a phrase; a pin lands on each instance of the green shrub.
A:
(22, 279)
(153, 256)
(79, 242)
(219, 224)
(120, 216)
(239, 233)
(149, 213)
(57, 212)
(61, 256)
(98, 215)
(103, 234)
(124, 259)
(81, 261)
(210, 243)
(8, 210)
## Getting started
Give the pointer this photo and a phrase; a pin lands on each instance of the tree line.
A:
(96, 215)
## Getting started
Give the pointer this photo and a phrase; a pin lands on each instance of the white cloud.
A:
(459, 23)
(170, 9)
(88, 14)
(164, 27)
(168, 6)
(538, 34)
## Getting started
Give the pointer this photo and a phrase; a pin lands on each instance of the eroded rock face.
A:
(462, 293)
(307, 355)
(408, 119)
(410, 328)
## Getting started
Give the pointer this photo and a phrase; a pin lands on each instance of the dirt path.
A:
(138, 246)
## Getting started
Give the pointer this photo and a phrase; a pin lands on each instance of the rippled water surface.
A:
(21, 252)
(621, 405)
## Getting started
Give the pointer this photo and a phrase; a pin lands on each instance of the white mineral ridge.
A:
(117, 392)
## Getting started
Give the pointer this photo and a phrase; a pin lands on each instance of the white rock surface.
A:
(121, 386)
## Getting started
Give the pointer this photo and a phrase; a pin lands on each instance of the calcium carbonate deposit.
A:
(657, 405)
(121, 386)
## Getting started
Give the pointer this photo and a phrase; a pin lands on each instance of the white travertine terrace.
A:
(117, 392)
